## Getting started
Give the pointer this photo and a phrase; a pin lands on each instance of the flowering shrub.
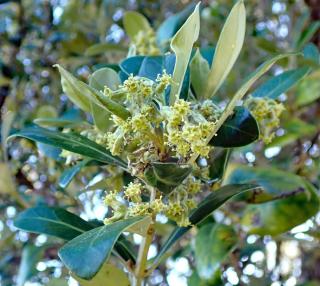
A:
(158, 128)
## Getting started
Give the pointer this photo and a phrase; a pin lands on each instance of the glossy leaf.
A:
(52, 221)
(217, 162)
(290, 200)
(71, 142)
(238, 130)
(69, 173)
(281, 83)
(135, 22)
(212, 245)
(96, 246)
(166, 176)
(108, 275)
(228, 48)
(182, 44)
(199, 71)
(205, 208)
(82, 95)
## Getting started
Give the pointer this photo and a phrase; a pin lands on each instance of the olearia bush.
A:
(155, 125)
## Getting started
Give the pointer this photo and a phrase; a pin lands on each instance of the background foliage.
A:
(84, 36)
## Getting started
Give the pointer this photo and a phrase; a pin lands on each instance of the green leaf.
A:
(57, 282)
(281, 83)
(309, 89)
(182, 44)
(238, 130)
(52, 221)
(108, 275)
(307, 34)
(217, 162)
(213, 244)
(30, 257)
(291, 200)
(135, 22)
(171, 25)
(103, 48)
(82, 95)
(294, 128)
(69, 173)
(228, 48)
(96, 246)
(71, 142)
(205, 208)
(199, 71)
(98, 80)
(311, 52)
(104, 77)
(195, 280)
(166, 176)
(58, 122)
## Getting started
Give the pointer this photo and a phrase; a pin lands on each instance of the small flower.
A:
(267, 112)
(133, 192)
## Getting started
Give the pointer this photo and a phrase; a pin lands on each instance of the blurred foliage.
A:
(87, 35)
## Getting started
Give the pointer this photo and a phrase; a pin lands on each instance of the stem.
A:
(141, 268)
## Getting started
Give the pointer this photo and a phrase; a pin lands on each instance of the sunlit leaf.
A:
(228, 48)
(182, 44)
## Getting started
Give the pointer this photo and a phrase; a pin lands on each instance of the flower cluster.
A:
(145, 43)
(267, 113)
(131, 202)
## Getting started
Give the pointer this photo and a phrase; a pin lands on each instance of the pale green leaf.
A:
(82, 94)
(108, 275)
(199, 71)
(228, 48)
(182, 44)
(134, 22)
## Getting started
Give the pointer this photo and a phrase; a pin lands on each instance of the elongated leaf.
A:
(82, 95)
(58, 122)
(281, 83)
(52, 221)
(108, 275)
(291, 200)
(166, 176)
(68, 174)
(307, 34)
(199, 71)
(205, 208)
(182, 44)
(213, 244)
(96, 246)
(98, 80)
(135, 22)
(103, 48)
(31, 255)
(238, 130)
(228, 48)
(71, 142)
